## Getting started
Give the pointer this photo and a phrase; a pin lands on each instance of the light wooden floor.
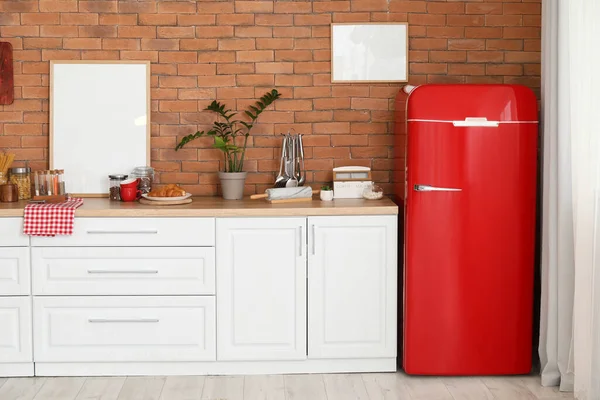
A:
(277, 387)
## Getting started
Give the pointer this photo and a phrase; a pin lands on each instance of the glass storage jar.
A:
(146, 178)
(3, 178)
(114, 186)
(22, 178)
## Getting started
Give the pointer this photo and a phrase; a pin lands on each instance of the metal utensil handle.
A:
(301, 168)
(127, 320)
(283, 148)
(109, 271)
(428, 188)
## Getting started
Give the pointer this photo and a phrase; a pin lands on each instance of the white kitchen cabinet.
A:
(141, 232)
(67, 271)
(352, 287)
(127, 328)
(11, 232)
(15, 330)
(14, 271)
(261, 288)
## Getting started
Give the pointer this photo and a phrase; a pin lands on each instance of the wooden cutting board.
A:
(7, 83)
(165, 203)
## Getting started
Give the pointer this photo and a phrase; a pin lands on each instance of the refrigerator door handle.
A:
(476, 121)
(428, 188)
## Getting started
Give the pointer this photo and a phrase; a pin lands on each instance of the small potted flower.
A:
(326, 193)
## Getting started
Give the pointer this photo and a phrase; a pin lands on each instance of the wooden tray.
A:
(165, 203)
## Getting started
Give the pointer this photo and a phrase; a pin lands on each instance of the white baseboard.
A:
(16, 369)
(217, 367)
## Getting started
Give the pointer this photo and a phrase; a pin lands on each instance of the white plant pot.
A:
(326, 195)
(232, 184)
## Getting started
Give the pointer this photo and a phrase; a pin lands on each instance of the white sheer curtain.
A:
(584, 17)
(570, 341)
(556, 324)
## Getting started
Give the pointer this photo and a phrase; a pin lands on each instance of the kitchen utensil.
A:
(282, 177)
(130, 193)
(293, 181)
(165, 203)
(301, 169)
(161, 199)
(287, 195)
(9, 193)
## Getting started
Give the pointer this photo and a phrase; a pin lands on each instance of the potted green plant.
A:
(231, 137)
(326, 193)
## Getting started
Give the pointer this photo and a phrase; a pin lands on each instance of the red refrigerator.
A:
(469, 229)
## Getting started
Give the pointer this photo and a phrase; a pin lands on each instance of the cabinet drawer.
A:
(15, 330)
(148, 232)
(123, 271)
(11, 232)
(14, 271)
(96, 329)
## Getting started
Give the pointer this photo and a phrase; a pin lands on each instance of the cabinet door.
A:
(11, 233)
(15, 330)
(14, 271)
(352, 287)
(261, 288)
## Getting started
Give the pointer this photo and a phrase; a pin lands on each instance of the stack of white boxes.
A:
(351, 182)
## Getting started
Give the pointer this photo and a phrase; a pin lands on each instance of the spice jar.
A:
(9, 193)
(114, 186)
(21, 177)
(146, 178)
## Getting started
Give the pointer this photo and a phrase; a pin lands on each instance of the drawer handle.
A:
(108, 271)
(122, 321)
(148, 232)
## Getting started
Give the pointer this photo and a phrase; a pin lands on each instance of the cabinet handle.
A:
(148, 232)
(300, 241)
(313, 239)
(118, 321)
(108, 271)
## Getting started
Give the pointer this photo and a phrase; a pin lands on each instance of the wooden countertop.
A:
(217, 207)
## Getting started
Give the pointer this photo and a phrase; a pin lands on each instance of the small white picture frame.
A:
(369, 52)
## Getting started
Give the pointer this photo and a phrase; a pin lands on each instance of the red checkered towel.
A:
(51, 219)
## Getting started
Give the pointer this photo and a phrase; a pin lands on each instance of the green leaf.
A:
(185, 140)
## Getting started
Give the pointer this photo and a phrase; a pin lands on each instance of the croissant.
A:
(170, 190)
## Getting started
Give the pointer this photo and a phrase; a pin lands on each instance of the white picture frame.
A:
(369, 52)
(99, 121)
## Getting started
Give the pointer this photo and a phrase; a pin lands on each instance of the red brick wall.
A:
(236, 50)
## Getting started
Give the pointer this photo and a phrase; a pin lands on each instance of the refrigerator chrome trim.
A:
(429, 188)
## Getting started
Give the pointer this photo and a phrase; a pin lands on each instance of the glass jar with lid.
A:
(22, 178)
(146, 178)
(114, 186)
